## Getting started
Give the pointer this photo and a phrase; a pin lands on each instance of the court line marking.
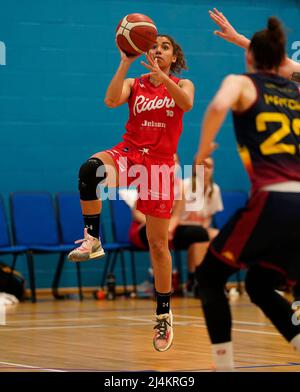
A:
(96, 310)
(136, 321)
(5, 329)
(144, 318)
(65, 370)
(204, 326)
(243, 330)
(271, 365)
(33, 321)
(262, 324)
(32, 367)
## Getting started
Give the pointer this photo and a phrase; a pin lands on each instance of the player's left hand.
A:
(155, 72)
(200, 157)
(227, 31)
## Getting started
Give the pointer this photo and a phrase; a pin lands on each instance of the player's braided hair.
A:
(180, 63)
(268, 45)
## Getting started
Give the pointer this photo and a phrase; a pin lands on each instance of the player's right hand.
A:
(124, 57)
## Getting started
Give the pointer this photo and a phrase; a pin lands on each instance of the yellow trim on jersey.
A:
(245, 158)
(271, 145)
(288, 103)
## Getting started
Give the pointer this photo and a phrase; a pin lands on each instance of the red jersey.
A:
(155, 121)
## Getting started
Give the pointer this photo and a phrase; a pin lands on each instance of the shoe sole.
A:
(171, 338)
(95, 255)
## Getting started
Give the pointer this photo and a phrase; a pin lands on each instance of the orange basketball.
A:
(135, 34)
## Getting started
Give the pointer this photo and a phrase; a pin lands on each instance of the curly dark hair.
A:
(180, 63)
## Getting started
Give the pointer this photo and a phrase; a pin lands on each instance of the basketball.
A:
(135, 34)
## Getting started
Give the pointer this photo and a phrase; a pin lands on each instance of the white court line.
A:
(255, 332)
(60, 320)
(204, 326)
(144, 321)
(136, 321)
(234, 321)
(31, 367)
(65, 327)
(127, 318)
(141, 319)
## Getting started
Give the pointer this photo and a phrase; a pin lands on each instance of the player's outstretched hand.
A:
(227, 31)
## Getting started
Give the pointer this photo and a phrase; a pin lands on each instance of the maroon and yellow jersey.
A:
(268, 133)
(155, 121)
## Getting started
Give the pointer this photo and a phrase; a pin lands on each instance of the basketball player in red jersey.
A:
(288, 69)
(157, 102)
(264, 236)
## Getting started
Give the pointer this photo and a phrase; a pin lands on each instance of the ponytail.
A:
(268, 46)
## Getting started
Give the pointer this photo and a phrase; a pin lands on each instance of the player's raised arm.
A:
(224, 100)
(227, 31)
(119, 88)
(289, 67)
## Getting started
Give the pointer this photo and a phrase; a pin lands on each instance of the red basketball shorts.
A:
(152, 174)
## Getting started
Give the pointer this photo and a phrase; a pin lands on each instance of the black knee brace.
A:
(90, 177)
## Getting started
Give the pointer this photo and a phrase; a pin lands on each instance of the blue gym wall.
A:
(60, 56)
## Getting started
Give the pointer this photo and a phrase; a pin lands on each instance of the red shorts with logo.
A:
(152, 174)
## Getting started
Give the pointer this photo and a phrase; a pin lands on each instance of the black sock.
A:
(163, 303)
(92, 223)
(191, 277)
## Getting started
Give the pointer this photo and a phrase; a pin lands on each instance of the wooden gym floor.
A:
(68, 335)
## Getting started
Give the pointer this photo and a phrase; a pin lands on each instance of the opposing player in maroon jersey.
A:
(157, 102)
(264, 236)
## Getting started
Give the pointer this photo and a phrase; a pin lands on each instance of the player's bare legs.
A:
(157, 234)
(100, 168)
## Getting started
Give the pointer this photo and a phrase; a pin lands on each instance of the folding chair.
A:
(71, 228)
(121, 221)
(6, 246)
(35, 227)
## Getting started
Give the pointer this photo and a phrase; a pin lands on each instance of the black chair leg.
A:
(57, 276)
(106, 266)
(133, 270)
(30, 264)
(123, 272)
(114, 260)
(79, 281)
(14, 262)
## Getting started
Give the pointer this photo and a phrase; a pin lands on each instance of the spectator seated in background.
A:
(197, 216)
(190, 225)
